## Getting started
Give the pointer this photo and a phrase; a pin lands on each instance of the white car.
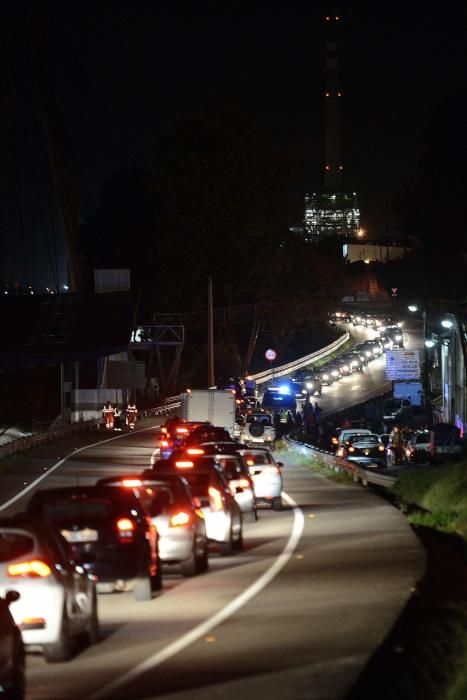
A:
(266, 474)
(58, 599)
(345, 433)
(258, 429)
(211, 494)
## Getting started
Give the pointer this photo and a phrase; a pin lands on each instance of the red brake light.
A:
(34, 568)
(184, 464)
(216, 498)
(250, 462)
(195, 451)
(182, 431)
(244, 484)
(164, 443)
(179, 519)
(126, 528)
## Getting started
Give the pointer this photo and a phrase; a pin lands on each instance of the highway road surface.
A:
(296, 614)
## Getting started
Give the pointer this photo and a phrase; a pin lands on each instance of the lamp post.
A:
(413, 308)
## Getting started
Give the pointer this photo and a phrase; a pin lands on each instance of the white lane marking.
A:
(61, 461)
(157, 452)
(204, 627)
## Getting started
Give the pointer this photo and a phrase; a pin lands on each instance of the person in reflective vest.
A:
(117, 418)
(108, 415)
(132, 412)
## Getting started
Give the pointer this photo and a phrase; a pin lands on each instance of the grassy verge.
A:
(436, 497)
(425, 656)
(348, 345)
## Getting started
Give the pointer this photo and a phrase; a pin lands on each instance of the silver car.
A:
(267, 476)
(57, 599)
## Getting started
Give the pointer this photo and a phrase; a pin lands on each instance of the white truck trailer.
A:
(214, 405)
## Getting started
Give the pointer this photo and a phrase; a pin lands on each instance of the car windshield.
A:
(353, 439)
(80, 512)
(14, 545)
(264, 420)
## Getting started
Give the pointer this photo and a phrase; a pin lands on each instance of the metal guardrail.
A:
(267, 375)
(170, 403)
(364, 476)
(26, 443)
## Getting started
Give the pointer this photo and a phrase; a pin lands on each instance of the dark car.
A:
(169, 503)
(110, 532)
(344, 365)
(355, 361)
(367, 450)
(333, 368)
(12, 677)
(309, 380)
(324, 376)
(174, 433)
(276, 399)
(208, 433)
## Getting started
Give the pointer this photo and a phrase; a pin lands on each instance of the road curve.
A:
(336, 589)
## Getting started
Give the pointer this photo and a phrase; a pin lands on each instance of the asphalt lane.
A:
(307, 634)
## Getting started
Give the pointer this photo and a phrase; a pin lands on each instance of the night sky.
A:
(123, 73)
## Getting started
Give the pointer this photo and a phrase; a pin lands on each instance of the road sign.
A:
(402, 364)
(270, 355)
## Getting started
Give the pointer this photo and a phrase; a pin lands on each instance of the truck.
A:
(214, 405)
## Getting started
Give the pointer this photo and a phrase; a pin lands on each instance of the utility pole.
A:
(210, 335)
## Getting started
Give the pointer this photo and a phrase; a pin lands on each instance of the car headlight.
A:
(345, 368)
(325, 377)
(304, 390)
(398, 337)
(335, 373)
(309, 385)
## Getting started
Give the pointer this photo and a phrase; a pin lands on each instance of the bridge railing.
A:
(267, 375)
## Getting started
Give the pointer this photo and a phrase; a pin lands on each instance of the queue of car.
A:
(72, 543)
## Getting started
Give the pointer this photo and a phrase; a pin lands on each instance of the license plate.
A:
(85, 535)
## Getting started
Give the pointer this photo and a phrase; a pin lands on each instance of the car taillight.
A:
(244, 483)
(334, 440)
(184, 464)
(340, 452)
(216, 498)
(179, 519)
(132, 483)
(182, 431)
(250, 462)
(126, 529)
(195, 451)
(351, 449)
(30, 569)
(164, 443)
